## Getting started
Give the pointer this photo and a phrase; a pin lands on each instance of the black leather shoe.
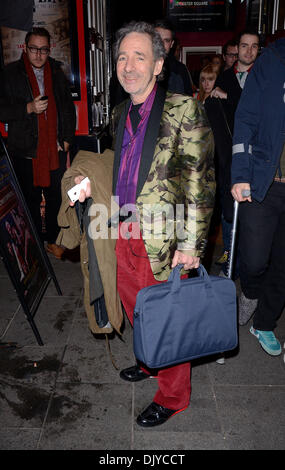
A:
(154, 415)
(133, 374)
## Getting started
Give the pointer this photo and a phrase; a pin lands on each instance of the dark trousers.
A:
(262, 255)
(33, 195)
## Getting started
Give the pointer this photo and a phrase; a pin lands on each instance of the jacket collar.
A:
(150, 139)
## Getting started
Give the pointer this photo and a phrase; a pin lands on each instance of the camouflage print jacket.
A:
(176, 184)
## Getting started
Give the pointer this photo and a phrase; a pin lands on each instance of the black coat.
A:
(176, 77)
(16, 92)
(228, 82)
(221, 114)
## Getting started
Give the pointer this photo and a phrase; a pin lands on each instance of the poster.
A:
(209, 15)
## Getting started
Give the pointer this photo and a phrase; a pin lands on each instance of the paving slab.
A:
(80, 414)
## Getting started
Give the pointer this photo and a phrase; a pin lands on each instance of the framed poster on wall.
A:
(209, 15)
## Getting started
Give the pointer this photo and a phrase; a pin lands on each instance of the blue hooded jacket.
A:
(259, 130)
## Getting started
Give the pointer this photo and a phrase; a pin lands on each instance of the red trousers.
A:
(134, 273)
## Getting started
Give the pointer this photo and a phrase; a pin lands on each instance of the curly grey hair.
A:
(144, 28)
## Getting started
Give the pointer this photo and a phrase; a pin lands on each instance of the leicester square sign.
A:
(209, 15)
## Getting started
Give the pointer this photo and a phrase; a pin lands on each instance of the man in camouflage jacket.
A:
(163, 163)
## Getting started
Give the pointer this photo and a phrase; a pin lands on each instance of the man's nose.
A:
(129, 64)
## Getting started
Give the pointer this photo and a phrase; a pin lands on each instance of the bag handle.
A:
(176, 281)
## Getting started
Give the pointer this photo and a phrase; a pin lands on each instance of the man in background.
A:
(230, 54)
(177, 77)
(258, 165)
(35, 101)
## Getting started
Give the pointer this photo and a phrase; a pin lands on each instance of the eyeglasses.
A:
(41, 50)
(231, 55)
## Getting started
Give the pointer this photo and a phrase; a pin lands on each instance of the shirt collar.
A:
(237, 71)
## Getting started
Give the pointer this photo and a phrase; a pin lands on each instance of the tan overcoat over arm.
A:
(99, 169)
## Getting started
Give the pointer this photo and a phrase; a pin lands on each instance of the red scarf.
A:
(47, 153)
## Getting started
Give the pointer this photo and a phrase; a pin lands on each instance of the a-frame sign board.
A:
(21, 249)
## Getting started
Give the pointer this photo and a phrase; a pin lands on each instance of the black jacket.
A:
(176, 77)
(16, 92)
(221, 115)
(228, 82)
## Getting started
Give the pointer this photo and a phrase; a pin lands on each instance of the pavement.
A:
(67, 394)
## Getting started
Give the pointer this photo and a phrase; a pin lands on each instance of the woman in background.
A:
(207, 80)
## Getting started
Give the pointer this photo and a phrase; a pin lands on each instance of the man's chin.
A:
(129, 87)
(38, 65)
(248, 62)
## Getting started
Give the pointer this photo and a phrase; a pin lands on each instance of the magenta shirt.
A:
(131, 153)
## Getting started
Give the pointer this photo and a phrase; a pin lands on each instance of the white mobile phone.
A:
(74, 192)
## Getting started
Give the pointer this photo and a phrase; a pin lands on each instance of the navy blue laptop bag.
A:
(184, 319)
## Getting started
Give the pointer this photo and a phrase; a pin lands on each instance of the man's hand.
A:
(190, 262)
(65, 147)
(218, 93)
(237, 190)
(37, 106)
(83, 194)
